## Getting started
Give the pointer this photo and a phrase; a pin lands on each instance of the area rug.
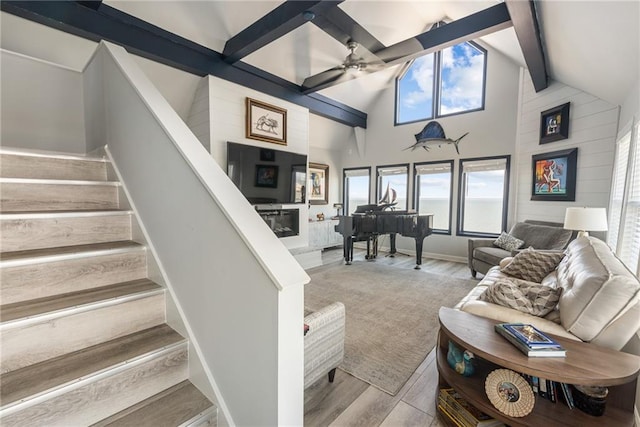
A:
(391, 316)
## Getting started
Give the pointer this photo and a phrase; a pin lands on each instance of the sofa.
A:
(483, 254)
(599, 302)
(323, 342)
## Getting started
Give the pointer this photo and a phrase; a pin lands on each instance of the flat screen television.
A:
(267, 175)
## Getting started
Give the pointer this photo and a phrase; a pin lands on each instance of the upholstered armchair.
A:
(323, 343)
(540, 235)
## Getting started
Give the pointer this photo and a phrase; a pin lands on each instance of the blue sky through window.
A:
(461, 84)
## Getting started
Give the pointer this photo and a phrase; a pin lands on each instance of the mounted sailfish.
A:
(432, 135)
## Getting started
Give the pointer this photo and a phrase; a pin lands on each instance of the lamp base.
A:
(583, 234)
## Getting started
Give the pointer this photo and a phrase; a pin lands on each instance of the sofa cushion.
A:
(528, 297)
(490, 254)
(601, 297)
(508, 242)
(532, 265)
(541, 236)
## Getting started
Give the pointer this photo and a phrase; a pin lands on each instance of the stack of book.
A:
(461, 413)
(530, 340)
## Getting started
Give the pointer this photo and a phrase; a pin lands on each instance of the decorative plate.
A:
(509, 393)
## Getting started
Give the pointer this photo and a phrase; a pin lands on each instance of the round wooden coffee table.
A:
(585, 364)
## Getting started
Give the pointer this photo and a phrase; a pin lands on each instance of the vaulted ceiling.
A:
(294, 49)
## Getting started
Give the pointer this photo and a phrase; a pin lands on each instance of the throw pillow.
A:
(531, 298)
(533, 265)
(507, 242)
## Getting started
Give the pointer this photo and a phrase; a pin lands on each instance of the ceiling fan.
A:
(353, 62)
(349, 69)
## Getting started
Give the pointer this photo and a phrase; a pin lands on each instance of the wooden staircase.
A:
(83, 338)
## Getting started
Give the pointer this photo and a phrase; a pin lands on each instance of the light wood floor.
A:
(349, 401)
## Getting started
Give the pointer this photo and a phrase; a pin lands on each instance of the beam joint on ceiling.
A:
(525, 24)
(339, 25)
(151, 42)
(487, 21)
(283, 19)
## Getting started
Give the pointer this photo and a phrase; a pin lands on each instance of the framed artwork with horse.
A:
(554, 175)
(266, 122)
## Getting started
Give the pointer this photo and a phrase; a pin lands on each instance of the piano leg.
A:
(368, 255)
(419, 241)
(375, 245)
(392, 243)
(347, 250)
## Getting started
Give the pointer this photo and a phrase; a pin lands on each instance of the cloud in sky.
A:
(420, 78)
(462, 78)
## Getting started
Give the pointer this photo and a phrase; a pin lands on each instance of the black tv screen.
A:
(267, 175)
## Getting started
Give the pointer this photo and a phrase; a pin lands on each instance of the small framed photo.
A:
(554, 124)
(318, 184)
(267, 176)
(267, 155)
(266, 122)
(554, 175)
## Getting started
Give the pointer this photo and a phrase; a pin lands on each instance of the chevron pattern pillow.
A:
(507, 242)
(533, 265)
(531, 298)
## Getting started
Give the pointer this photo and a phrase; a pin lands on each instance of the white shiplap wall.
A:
(218, 115)
(593, 125)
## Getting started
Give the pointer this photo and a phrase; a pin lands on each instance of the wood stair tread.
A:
(52, 373)
(68, 250)
(38, 306)
(105, 211)
(171, 407)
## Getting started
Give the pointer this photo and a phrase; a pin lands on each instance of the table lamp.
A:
(585, 220)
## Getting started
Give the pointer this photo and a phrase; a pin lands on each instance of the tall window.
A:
(450, 81)
(433, 193)
(484, 187)
(393, 180)
(357, 187)
(624, 206)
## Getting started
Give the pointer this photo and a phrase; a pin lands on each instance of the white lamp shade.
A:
(586, 219)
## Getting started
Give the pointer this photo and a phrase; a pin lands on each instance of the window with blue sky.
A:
(356, 187)
(450, 81)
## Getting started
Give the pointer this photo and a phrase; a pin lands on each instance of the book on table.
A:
(542, 347)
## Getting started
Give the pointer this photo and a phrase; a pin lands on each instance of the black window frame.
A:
(378, 177)
(461, 196)
(416, 191)
(437, 85)
(345, 187)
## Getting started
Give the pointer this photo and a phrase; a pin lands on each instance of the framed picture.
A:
(554, 175)
(318, 184)
(266, 122)
(266, 176)
(267, 155)
(554, 124)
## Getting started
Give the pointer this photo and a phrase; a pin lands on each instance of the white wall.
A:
(41, 103)
(327, 140)
(491, 132)
(593, 125)
(631, 107)
(220, 106)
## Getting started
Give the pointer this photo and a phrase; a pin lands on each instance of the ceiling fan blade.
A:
(324, 79)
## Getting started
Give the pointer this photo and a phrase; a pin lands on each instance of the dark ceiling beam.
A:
(525, 24)
(275, 24)
(93, 4)
(149, 41)
(339, 25)
(487, 21)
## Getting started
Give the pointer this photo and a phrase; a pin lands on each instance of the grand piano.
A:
(369, 221)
